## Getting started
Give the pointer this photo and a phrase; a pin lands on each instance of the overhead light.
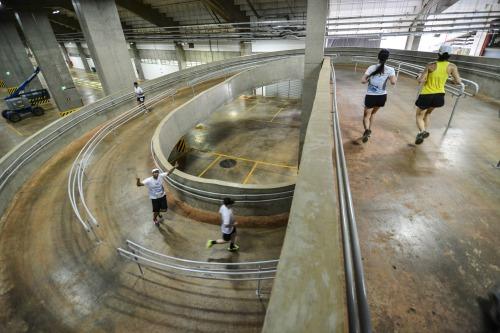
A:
(57, 11)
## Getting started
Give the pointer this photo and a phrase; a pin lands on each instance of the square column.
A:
(15, 65)
(105, 39)
(180, 55)
(83, 56)
(137, 61)
(43, 44)
(315, 42)
(245, 48)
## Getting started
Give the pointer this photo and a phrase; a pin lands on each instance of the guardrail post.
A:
(257, 291)
(355, 66)
(137, 262)
(93, 232)
(452, 113)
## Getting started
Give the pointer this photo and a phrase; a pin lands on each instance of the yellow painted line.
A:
(277, 113)
(268, 121)
(209, 166)
(250, 173)
(15, 129)
(255, 161)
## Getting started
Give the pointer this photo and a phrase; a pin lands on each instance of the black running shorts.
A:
(430, 101)
(141, 99)
(372, 101)
(160, 204)
(227, 237)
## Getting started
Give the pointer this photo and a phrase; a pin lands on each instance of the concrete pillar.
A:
(314, 53)
(409, 42)
(137, 61)
(83, 56)
(181, 55)
(43, 44)
(105, 39)
(245, 48)
(66, 55)
(15, 65)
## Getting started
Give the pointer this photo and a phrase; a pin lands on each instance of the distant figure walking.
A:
(431, 95)
(376, 95)
(139, 93)
(156, 192)
(228, 226)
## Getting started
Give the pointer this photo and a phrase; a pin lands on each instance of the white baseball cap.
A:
(445, 49)
(155, 170)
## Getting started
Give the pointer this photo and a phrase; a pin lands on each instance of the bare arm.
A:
(454, 74)
(423, 76)
(172, 170)
(393, 79)
(138, 182)
(364, 79)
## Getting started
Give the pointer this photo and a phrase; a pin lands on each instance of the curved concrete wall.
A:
(207, 193)
(308, 293)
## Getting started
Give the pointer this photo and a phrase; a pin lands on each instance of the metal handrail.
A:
(228, 271)
(359, 311)
(195, 272)
(141, 249)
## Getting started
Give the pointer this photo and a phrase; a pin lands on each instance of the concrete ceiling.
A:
(136, 15)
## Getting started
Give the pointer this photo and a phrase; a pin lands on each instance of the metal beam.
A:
(227, 10)
(147, 12)
(60, 28)
(66, 21)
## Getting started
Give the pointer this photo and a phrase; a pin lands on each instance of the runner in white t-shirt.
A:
(156, 192)
(227, 226)
(139, 94)
(376, 76)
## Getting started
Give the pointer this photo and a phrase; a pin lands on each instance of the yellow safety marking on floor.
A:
(2, 84)
(268, 121)
(250, 173)
(209, 166)
(277, 113)
(257, 161)
(15, 130)
(65, 113)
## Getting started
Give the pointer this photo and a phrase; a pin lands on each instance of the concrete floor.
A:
(428, 216)
(54, 278)
(11, 134)
(260, 134)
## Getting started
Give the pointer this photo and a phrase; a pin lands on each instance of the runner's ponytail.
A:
(383, 55)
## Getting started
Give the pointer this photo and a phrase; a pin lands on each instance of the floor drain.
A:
(229, 163)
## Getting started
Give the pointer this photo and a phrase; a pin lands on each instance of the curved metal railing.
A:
(234, 271)
(357, 301)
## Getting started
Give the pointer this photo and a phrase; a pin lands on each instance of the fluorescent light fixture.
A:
(57, 11)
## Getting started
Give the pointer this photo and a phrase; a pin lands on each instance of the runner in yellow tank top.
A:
(431, 96)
